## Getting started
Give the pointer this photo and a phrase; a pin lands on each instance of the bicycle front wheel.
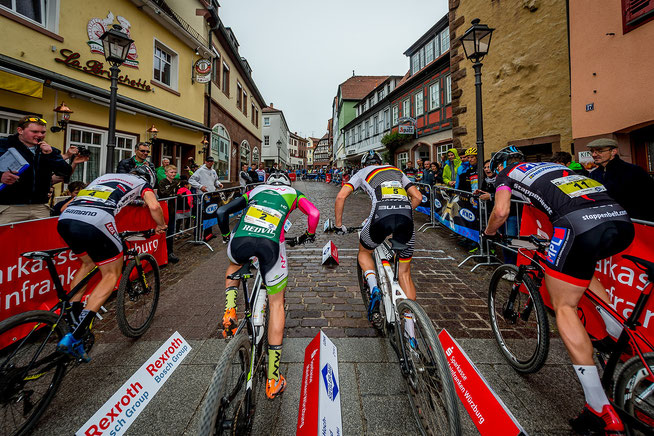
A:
(138, 295)
(223, 409)
(431, 389)
(31, 369)
(634, 392)
(518, 319)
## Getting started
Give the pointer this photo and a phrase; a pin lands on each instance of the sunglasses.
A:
(144, 151)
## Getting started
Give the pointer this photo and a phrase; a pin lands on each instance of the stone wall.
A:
(525, 77)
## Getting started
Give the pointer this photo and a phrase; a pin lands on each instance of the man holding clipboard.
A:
(26, 176)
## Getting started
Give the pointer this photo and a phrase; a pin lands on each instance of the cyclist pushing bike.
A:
(261, 232)
(88, 226)
(393, 198)
(588, 226)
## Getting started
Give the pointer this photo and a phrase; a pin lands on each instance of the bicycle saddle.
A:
(44, 254)
(396, 245)
(645, 265)
(244, 271)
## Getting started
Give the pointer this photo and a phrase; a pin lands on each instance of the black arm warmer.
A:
(224, 211)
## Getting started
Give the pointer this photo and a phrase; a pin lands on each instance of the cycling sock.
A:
(85, 320)
(593, 391)
(74, 310)
(230, 297)
(371, 278)
(613, 327)
(274, 357)
(409, 325)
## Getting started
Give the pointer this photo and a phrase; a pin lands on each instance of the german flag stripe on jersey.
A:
(349, 186)
(379, 170)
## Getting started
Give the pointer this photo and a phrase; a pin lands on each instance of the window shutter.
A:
(636, 13)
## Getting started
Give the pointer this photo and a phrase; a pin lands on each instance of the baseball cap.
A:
(603, 142)
(209, 159)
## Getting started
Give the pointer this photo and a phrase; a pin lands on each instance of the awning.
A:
(21, 85)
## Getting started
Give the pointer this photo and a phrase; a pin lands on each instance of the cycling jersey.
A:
(391, 211)
(111, 192)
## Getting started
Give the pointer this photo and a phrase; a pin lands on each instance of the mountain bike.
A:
(517, 308)
(31, 368)
(230, 404)
(422, 362)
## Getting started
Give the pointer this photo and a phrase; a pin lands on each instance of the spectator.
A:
(161, 171)
(274, 168)
(410, 171)
(142, 150)
(73, 190)
(243, 177)
(252, 172)
(184, 203)
(205, 179)
(419, 170)
(438, 173)
(565, 158)
(25, 196)
(76, 157)
(625, 183)
(468, 179)
(167, 188)
(428, 174)
(261, 173)
(450, 167)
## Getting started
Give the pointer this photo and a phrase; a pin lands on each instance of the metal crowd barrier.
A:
(433, 222)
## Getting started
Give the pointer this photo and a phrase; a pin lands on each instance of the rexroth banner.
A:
(25, 284)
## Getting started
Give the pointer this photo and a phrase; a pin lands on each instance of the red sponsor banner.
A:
(25, 284)
(292, 176)
(328, 178)
(488, 412)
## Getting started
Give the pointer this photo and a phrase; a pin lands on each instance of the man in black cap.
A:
(626, 183)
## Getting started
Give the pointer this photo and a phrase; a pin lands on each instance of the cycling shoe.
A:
(73, 347)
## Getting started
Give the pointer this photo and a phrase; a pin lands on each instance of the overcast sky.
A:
(301, 50)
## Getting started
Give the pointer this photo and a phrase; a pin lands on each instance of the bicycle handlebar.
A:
(298, 240)
(338, 229)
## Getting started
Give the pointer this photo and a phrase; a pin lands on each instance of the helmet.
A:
(146, 173)
(510, 152)
(371, 157)
(472, 151)
(278, 178)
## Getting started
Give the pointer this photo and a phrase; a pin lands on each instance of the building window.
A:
(635, 13)
(226, 79)
(8, 124)
(406, 108)
(445, 40)
(402, 159)
(215, 74)
(415, 63)
(370, 127)
(422, 58)
(220, 146)
(37, 11)
(380, 123)
(266, 140)
(124, 147)
(252, 112)
(365, 130)
(239, 96)
(256, 117)
(94, 140)
(396, 114)
(448, 90)
(357, 133)
(245, 103)
(255, 155)
(165, 65)
(266, 121)
(434, 96)
(420, 103)
(245, 153)
(442, 150)
(437, 46)
(380, 95)
(429, 52)
(387, 119)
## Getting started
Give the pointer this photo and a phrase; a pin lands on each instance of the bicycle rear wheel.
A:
(518, 319)
(634, 392)
(138, 295)
(380, 324)
(431, 389)
(31, 369)
(223, 409)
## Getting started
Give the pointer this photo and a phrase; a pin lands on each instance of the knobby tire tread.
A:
(623, 390)
(424, 324)
(122, 299)
(61, 329)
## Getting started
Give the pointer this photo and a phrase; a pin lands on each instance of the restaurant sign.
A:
(98, 26)
(96, 68)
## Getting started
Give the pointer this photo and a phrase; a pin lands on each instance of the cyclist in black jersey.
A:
(588, 226)
(89, 228)
(393, 198)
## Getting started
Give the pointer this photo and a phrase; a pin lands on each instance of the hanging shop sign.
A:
(96, 68)
(96, 28)
(404, 129)
(202, 70)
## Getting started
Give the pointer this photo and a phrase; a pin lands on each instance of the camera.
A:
(83, 151)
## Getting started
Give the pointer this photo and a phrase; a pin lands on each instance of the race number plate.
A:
(262, 216)
(94, 194)
(577, 185)
(392, 191)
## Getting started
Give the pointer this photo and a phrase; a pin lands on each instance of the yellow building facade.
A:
(52, 54)
(525, 77)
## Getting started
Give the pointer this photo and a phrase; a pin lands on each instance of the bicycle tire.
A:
(20, 341)
(137, 301)
(379, 325)
(431, 388)
(631, 383)
(524, 345)
(215, 416)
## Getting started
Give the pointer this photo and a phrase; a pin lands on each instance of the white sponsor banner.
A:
(121, 410)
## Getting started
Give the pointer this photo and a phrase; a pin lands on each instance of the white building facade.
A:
(275, 144)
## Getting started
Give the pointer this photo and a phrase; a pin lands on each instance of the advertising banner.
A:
(210, 203)
(121, 410)
(320, 398)
(458, 211)
(25, 284)
(486, 409)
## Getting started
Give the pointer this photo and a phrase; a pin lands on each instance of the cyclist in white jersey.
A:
(88, 226)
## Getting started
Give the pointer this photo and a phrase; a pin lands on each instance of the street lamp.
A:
(65, 117)
(116, 46)
(476, 41)
(152, 134)
(279, 149)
